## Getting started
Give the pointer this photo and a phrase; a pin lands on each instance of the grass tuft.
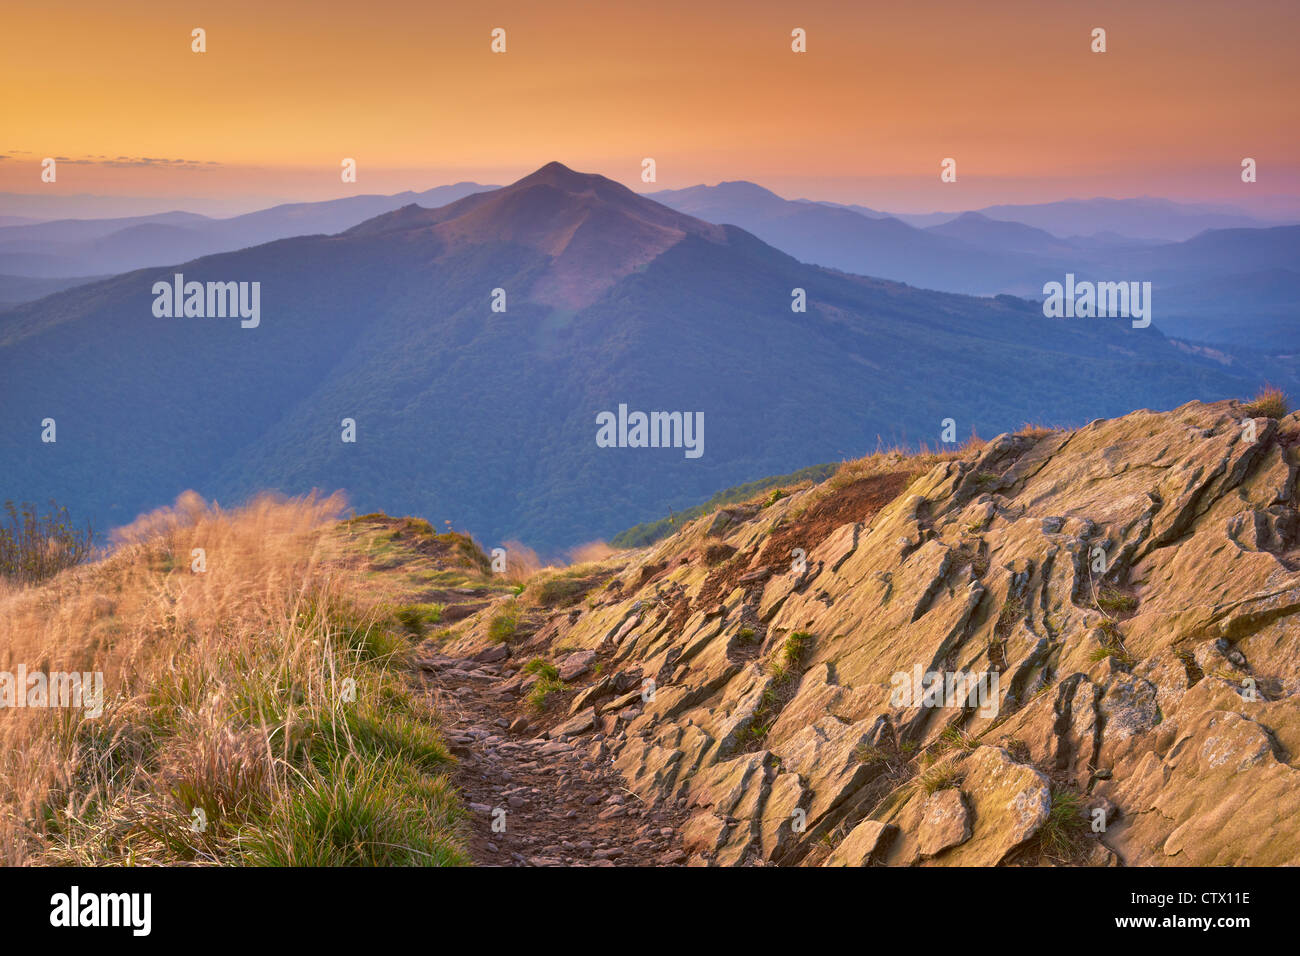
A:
(547, 684)
(1271, 402)
(939, 777)
(503, 625)
(1061, 834)
(543, 668)
(418, 618)
(792, 651)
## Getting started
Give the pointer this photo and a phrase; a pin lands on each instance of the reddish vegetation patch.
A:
(859, 501)
(651, 571)
(717, 552)
(679, 614)
(722, 581)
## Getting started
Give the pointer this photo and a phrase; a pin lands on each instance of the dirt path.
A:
(564, 803)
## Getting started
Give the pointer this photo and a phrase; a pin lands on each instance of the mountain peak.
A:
(557, 174)
(593, 230)
(744, 188)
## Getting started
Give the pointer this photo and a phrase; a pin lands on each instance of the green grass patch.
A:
(540, 694)
(1111, 650)
(756, 731)
(939, 777)
(543, 668)
(360, 812)
(1062, 833)
(792, 651)
(870, 755)
(503, 625)
(1114, 601)
(954, 738)
(362, 638)
(418, 618)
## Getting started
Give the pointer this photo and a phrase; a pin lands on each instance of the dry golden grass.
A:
(525, 570)
(591, 552)
(522, 563)
(224, 692)
(884, 461)
(1035, 430)
(1271, 402)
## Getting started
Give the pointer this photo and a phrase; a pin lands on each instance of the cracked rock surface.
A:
(1133, 586)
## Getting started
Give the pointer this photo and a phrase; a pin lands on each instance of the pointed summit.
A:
(557, 174)
(594, 230)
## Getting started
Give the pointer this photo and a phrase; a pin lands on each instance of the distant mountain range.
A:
(975, 254)
(1143, 217)
(978, 229)
(84, 247)
(843, 238)
(15, 290)
(489, 418)
(1140, 220)
(1002, 249)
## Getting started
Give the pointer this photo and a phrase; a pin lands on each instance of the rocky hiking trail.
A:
(564, 803)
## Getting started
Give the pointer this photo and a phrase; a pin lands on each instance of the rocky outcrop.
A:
(945, 823)
(1113, 616)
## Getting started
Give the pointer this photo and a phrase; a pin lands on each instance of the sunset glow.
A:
(413, 92)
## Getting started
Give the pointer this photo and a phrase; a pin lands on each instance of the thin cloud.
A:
(123, 162)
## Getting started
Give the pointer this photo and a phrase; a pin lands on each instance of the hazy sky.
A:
(709, 89)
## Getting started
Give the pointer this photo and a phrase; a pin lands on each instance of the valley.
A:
(486, 417)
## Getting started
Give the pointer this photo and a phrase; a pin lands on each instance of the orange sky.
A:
(709, 89)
